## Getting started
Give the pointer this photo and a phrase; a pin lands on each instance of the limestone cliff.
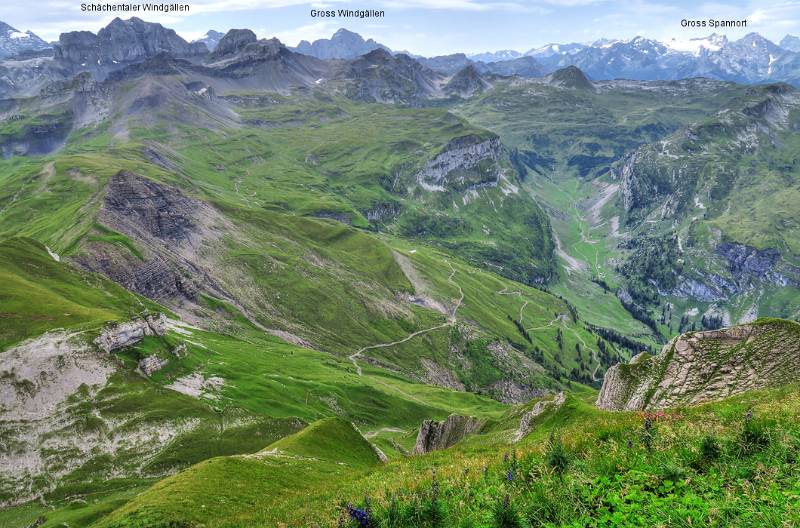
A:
(703, 366)
(463, 163)
(128, 333)
(435, 435)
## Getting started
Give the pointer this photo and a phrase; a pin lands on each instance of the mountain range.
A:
(256, 286)
(749, 59)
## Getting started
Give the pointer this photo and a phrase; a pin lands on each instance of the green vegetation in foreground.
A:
(730, 463)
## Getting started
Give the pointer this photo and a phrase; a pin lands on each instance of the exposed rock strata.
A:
(169, 231)
(464, 162)
(705, 366)
(125, 334)
(435, 435)
(151, 364)
(525, 423)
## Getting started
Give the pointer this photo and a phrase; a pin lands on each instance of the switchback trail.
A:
(450, 322)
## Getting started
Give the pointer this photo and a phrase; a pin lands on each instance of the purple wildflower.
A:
(363, 517)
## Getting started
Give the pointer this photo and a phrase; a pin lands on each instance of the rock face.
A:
(151, 365)
(382, 77)
(167, 228)
(704, 366)
(441, 435)
(128, 333)
(343, 44)
(538, 409)
(464, 162)
(123, 41)
(233, 41)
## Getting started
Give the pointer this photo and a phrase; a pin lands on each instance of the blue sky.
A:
(432, 27)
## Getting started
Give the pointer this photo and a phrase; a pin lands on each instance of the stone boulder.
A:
(151, 364)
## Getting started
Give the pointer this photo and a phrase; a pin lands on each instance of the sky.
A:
(434, 27)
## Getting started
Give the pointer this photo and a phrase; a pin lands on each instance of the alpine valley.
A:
(245, 284)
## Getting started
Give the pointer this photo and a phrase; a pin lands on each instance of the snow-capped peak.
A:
(713, 42)
(18, 35)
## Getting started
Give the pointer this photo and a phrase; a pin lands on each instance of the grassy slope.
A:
(742, 477)
(40, 294)
(271, 388)
(569, 138)
(322, 280)
(347, 159)
(284, 472)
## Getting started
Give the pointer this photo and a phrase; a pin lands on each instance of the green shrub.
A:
(709, 451)
(556, 456)
(505, 515)
(754, 435)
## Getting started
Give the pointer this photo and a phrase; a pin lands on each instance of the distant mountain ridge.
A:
(13, 42)
(751, 59)
(343, 44)
(210, 39)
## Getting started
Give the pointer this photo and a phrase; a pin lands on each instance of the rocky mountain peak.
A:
(466, 82)
(210, 39)
(344, 44)
(123, 41)
(570, 77)
(791, 43)
(234, 40)
(14, 42)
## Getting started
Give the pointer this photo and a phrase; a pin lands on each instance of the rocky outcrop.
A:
(526, 422)
(465, 162)
(40, 136)
(151, 364)
(748, 265)
(125, 334)
(167, 230)
(435, 435)
(705, 366)
(509, 391)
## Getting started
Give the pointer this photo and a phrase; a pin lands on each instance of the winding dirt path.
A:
(560, 319)
(451, 320)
